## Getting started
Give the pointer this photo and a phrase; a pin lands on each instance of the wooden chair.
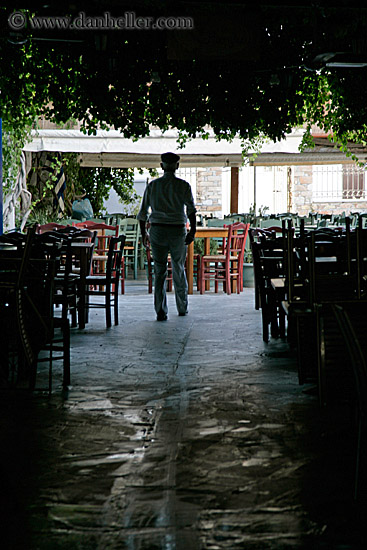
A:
(320, 275)
(27, 321)
(243, 229)
(65, 295)
(258, 235)
(18, 349)
(106, 284)
(133, 248)
(104, 234)
(331, 281)
(267, 223)
(269, 263)
(352, 326)
(57, 346)
(52, 226)
(226, 268)
(84, 236)
(115, 218)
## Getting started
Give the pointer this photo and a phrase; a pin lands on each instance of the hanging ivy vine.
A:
(108, 83)
(97, 183)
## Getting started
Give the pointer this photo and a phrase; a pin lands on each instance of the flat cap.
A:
(170, 158)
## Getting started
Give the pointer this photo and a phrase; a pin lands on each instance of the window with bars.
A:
(189, 175)
(338, 182)
(353, 182)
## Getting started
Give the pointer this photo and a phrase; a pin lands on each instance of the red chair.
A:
(101, 228)
(226, 268)
(104, 234)
(52, 226)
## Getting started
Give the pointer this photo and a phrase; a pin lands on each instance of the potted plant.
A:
(248, 267)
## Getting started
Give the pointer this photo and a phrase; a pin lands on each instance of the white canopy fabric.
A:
(110, 148)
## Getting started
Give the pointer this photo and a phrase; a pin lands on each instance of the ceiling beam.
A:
(138, 160)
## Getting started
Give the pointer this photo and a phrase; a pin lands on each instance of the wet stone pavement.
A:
(187, 434)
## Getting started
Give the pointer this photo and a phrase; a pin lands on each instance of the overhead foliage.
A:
(132, 80)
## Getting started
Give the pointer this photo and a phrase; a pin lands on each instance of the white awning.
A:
(111, 149)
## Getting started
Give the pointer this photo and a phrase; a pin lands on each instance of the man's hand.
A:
(191, 234)
(189, 237)
(144, 235)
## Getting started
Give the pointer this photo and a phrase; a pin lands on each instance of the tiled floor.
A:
(188, 434)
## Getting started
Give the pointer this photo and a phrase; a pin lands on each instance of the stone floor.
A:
(188, 434)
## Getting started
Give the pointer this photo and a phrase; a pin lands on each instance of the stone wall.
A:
(209, 191)
(302, 190)
(339, 207)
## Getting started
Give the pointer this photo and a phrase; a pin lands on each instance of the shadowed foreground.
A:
(188, 434)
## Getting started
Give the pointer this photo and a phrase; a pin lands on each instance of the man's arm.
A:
(142, 217)
(143, 232)
(191, 234)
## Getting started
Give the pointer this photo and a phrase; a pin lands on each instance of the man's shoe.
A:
(161, 316)
(183, 313)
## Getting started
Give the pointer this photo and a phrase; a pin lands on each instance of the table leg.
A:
(190, 268)
(82, 310)
(207, 253)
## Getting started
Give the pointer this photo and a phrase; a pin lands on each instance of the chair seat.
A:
(215, 258)
(218, 258)
(98, 279)
(73, 276)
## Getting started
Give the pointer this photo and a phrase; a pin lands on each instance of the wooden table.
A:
(206, 233)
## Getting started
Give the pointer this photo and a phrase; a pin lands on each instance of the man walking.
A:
(166, 198)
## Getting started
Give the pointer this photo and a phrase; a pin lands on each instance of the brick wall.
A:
(209, 191)
(302, 190)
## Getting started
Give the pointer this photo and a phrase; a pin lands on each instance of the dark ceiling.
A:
(260, 36)
(242, 67)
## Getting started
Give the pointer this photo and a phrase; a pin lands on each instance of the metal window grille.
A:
(190, 175)
(353, 183)
(338, 182)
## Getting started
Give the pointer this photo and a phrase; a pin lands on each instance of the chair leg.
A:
(59, 345)
(202, 279)
(228, 281)
(50, 370)
(108, 308)
(122, 276)
(265, 325)
(116, 307)
(198, 273)
(358, 456)
(66, 346)
(136, 265)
